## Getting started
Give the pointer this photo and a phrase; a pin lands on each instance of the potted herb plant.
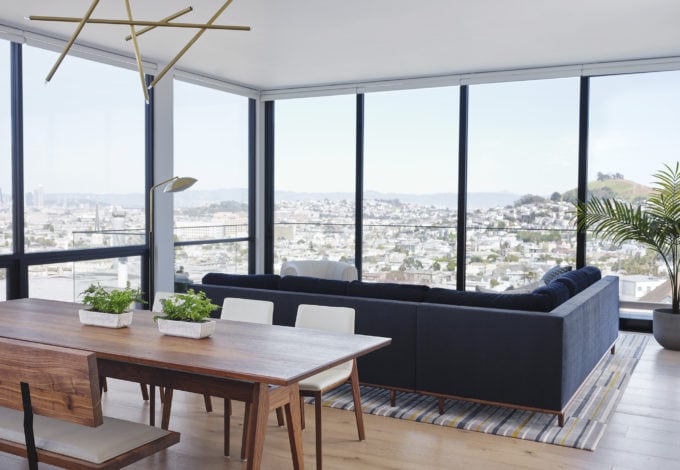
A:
(108, 308)
(187, 315)
(655, 224)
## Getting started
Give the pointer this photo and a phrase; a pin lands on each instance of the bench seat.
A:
(95, 445)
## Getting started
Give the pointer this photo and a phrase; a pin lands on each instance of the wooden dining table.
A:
(258, 364)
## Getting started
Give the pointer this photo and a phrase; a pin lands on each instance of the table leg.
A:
(292, 409)
(257, 425)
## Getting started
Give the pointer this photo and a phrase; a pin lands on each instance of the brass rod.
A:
(82, 22)
(190, 43)
(69, 19)
(164, 20)
(138, 56)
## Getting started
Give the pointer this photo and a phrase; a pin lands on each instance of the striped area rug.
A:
(586, 416)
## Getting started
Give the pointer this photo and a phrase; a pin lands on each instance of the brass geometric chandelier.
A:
(134, 34)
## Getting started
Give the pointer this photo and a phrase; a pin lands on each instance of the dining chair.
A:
(340, 319)
(157, 307)
(252, 311)
(234, 309)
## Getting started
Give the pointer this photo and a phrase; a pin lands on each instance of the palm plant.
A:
(655, 224)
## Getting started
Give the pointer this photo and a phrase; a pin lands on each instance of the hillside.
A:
(625, 190)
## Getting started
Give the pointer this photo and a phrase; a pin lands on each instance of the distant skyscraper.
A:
(39, 197)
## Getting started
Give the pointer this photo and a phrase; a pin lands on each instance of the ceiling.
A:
(300, 43)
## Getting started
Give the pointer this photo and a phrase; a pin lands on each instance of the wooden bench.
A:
(61, 387)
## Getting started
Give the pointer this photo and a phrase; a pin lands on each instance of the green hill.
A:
(625, 190)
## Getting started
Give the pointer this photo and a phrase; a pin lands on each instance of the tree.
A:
(555, 197)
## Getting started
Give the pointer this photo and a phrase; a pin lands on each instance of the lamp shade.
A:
(179, 183)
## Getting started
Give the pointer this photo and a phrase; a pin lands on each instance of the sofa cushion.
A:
(255, 281)
(554, 272)
(313, 285)
(593, 273)
(557, 292)
(532, 302)
(575, 281)
(388, 291)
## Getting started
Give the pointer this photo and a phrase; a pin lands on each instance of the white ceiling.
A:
(318, 42)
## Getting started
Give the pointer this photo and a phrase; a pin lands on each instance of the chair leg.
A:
(227, 425)
(167, 408)
(279, 416)
(356, 395)
(302, 411)
(152, 404)
(145, 393)
(208, 403)
(317, 422)
(244, 439)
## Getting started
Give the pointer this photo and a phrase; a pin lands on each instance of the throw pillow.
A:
(554, 272)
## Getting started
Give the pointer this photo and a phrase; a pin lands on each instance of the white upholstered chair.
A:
(157, 305)
(166, 393)
(340, 319)
(323, 269)
(252, 311)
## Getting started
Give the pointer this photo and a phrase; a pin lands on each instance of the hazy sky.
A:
(84, 132)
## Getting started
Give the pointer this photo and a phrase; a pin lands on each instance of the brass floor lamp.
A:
(172, 185)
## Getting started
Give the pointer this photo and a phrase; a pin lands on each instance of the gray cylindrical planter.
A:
(666, 328)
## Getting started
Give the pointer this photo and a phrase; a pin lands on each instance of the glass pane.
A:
(634, 131)
(84, 154)
(66, 281)
(522, 175)
(314, 179)
(192, 262)
(211, 145)
(5, 152)
(410, 185)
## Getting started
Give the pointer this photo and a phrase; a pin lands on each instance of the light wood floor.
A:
(644, 433)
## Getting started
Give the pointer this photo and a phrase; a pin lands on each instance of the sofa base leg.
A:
(393, 398)
(613, 349)
(440, 405)
(560, 420)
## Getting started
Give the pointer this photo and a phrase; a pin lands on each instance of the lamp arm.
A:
(163, 182)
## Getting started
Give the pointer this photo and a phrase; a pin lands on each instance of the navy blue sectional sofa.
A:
(530, 350)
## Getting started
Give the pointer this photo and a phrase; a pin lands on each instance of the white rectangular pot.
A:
(185, 328)
(107, 320)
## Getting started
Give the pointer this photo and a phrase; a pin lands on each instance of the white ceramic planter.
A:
(107, 320)
(185, 328)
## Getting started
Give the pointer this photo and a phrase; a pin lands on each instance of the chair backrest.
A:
(248, 310)
(321, 317)
(63, 382)
(323, 269)
(157, 305)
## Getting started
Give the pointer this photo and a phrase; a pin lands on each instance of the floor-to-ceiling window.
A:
(211, 145)
(84, 167)
(6, 221)
(410, 186)
(522, 177)
(634, 131)
(315, 179)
